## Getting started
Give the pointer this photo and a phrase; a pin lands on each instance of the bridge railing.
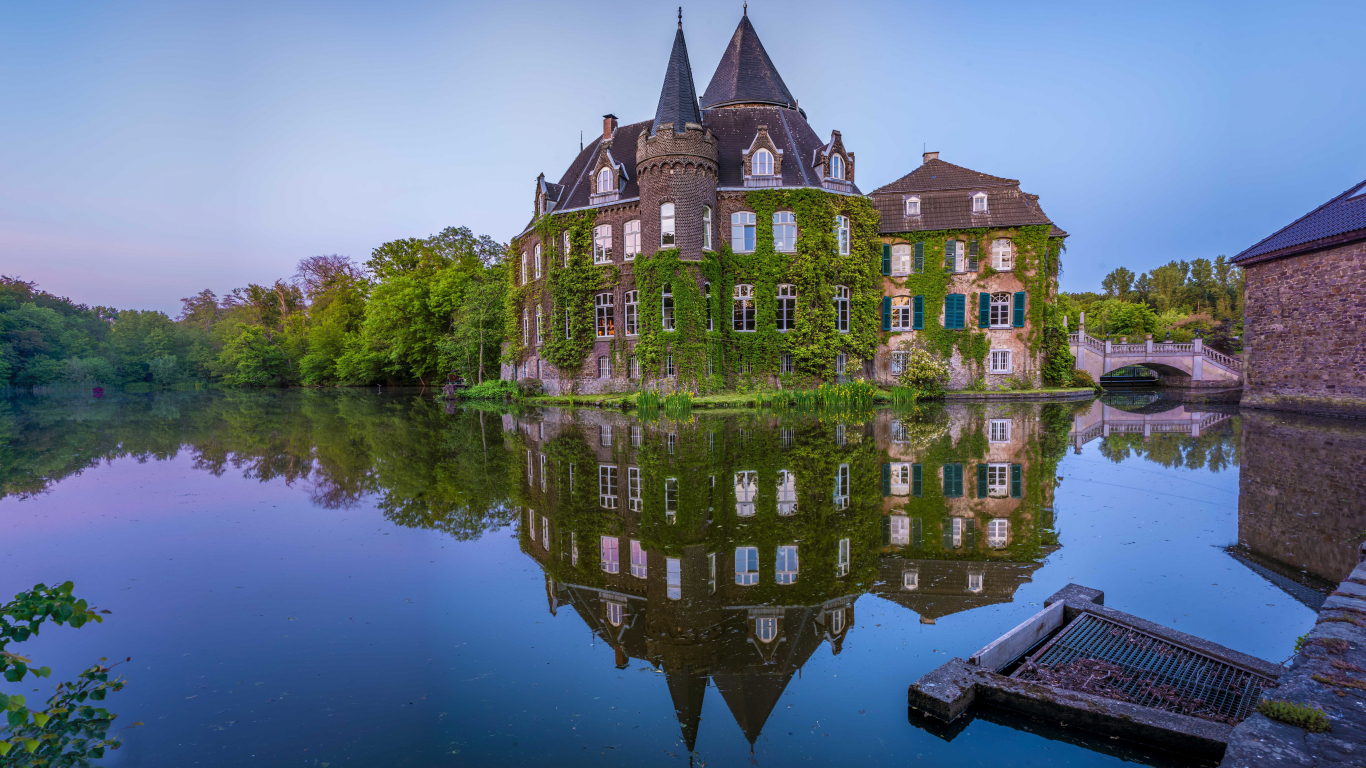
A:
(1128, 349)
(1090, 341)
(1167, 349)
(1231, 363)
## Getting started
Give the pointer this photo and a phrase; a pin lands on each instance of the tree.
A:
(476, 339)
(1118, 282)
(253, 359)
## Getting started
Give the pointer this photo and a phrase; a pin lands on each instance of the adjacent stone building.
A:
(1304, 332)
(724, 242)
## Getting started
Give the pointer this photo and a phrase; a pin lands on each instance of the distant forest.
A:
(417, 309)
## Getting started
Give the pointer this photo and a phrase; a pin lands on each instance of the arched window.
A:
(784, 231)
(706, 227)
(901, 259)
(841, 309)
(666, 225)
(1000, 310)
(538, 261)
(836, 167)
(979, 202)
(742, 231)
(913, 206)
(604, 306)
(787, 308)
(615, 612)
(744, 308)
(1003, 255)
(766, 628)
(901, 313)
(667, 307)
(605, 180)
(842, 234)
(763, 163)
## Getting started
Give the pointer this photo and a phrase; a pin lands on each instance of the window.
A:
(841, 360)
(899, 527)
(787, 493)
(602, 244)
(955, 311)
(632, 299)
(673, 577)
(763, 163)
(1000, 361)
(611, 558)
(537, 262)
(637, 437)
(539, 336)
(606, 317)
(574, 549)
(998, 480)
(842, 564)
(898, 362)
(666, 225)
(1003, 258)
(711, 572)
(743, 319)
(542, 458)
(1000, 431)
(746, 566)
(635, 367)
(784, 231)
(901, 479)
(912, 206)
(842, 487)
(766, 628)
(711, 322)
(605, 435)
(834, 621)
(632, 244)
(1000, 310)
(633, 501)
(786, 569)
(615, 612)
(607, 486)
(566, 247)
(526, 329)
(998, 532)
(953, 481)
(953, 255)
(786, 363)
(787, 308)
(746, 489)
(842, 234)
(638, 566)
(669, 365)
(910, 580)
(706, 227)
(901, 259)
(836, 167)
(523, 267)
(566, 325)
(841, 309)
(953, 533)
(975, 582)
(671, 496)
(742, 226)
(545, 532)
(979, 202)
(901, 313)
(667, 307)
(605, 181)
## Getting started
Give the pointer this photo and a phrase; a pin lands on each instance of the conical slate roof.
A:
(687, 688)
(746, 74)
(678, 98)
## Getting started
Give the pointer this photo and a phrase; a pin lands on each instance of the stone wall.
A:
(1305, 332)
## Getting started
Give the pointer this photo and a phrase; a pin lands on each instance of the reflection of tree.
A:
(429, 469)
(1216, 449)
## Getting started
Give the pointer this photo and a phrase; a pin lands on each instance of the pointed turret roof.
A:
(746, 74)
(687, 687)
(678, 98)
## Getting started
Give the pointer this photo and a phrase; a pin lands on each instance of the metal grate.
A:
(1101, 657)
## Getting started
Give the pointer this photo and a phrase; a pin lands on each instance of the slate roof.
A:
(746, 74)
(945, 191)
(678, 97)
(735, 127)
(1336, 222)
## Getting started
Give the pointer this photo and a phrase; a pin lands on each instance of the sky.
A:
(150, 150)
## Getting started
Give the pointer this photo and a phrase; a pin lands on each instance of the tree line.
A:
(417, 309)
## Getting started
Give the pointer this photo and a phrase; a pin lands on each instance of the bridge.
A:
(1177, 365)
(1102, 420)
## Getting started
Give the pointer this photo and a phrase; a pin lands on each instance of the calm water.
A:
(346, 578)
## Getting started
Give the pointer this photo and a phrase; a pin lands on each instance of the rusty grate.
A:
(1101, 657)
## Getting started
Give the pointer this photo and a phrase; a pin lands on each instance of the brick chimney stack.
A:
(609, 126)
(928, 156)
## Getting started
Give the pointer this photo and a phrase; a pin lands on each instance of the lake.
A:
(329, 578)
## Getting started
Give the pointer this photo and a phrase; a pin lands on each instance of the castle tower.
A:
(677, 163)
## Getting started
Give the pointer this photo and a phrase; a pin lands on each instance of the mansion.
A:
(725, 242)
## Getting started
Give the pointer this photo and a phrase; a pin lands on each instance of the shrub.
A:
(924, 372)
(1081, 378)
(530, 386)
(491, 389)
(1311, 719)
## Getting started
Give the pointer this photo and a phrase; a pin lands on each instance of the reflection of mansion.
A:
(1102, 420)
(723, 556)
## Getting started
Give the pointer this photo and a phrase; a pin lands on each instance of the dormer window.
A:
(605, 181)
(979, 202)
(836, 167)
(912, 206)
(763, 163)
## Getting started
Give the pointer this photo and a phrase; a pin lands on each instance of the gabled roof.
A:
(936, 174)
(746, 74)
(945, 191)
(1339, 221)
(678, 97)
(734, 129)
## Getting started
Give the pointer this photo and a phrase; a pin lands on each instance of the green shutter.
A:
(970, 533)
(955, 311)
(886, 480)
(948, 532)
(972, 256)
(1016, 481)
(917, 480)
(953, 481)
(949, 261)
(981, 481)
(983, 310)
(886, 313)
(886, 530)
(919, 267)
(1018, 312)
(886, 259)
(918, 313)
(917, 533)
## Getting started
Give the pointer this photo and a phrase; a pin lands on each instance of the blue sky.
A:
(151, 150)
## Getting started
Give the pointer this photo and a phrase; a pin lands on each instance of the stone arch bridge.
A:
(1177, 365)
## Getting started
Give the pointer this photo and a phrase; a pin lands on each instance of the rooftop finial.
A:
(680, 17)
(746, 13)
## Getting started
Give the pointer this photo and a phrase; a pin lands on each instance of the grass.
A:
(826, 397)
(1311, 719)
(492, 389)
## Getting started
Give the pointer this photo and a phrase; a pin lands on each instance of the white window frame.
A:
(605, 315)
(900, 528)
(746, 491)
(842, 308)
(1003, 255)
(666, 225)
(842, 564)
(635, 367)
(743, 312)
(902, 258)
(607, 486)
(526, 329)
(669, 366)
(605, 181)
(842, 234)
(633, 499)
(998, 532)
(913, 206)
(1001, 361)
(706, 228)
(901, 313)
(605, 434)
(746, 577)
(910, 580)
(837, 167)
(631, 237)
(787, 493)
(537, 261)
(766, 628)
(602, 244)
(640, 565)
(666, 308)
(673, 578)
(979, 202)
(616, 612)
(743, 232)
(631, 301)
(901, 478)
(566, 247)
(540, 337)
(609, 554)
(670, 495)
(959, 254)
(998, 431)
(897, 363)
(784, 231)
(998, 310)
(786, 564)
(976, 582)
(785, 364)
(763, 163)
(786, 318)
(842, 486)
(524, 280)
(998, 481)
(605, 367)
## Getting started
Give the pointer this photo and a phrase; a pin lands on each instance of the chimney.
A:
(928, 156)
(609, 126)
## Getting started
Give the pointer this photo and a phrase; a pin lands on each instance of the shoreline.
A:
(627, 400)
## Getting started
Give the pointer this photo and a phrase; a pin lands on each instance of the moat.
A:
(352, 578)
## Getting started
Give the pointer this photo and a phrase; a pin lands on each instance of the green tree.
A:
(1118, 283)
(253, 359)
